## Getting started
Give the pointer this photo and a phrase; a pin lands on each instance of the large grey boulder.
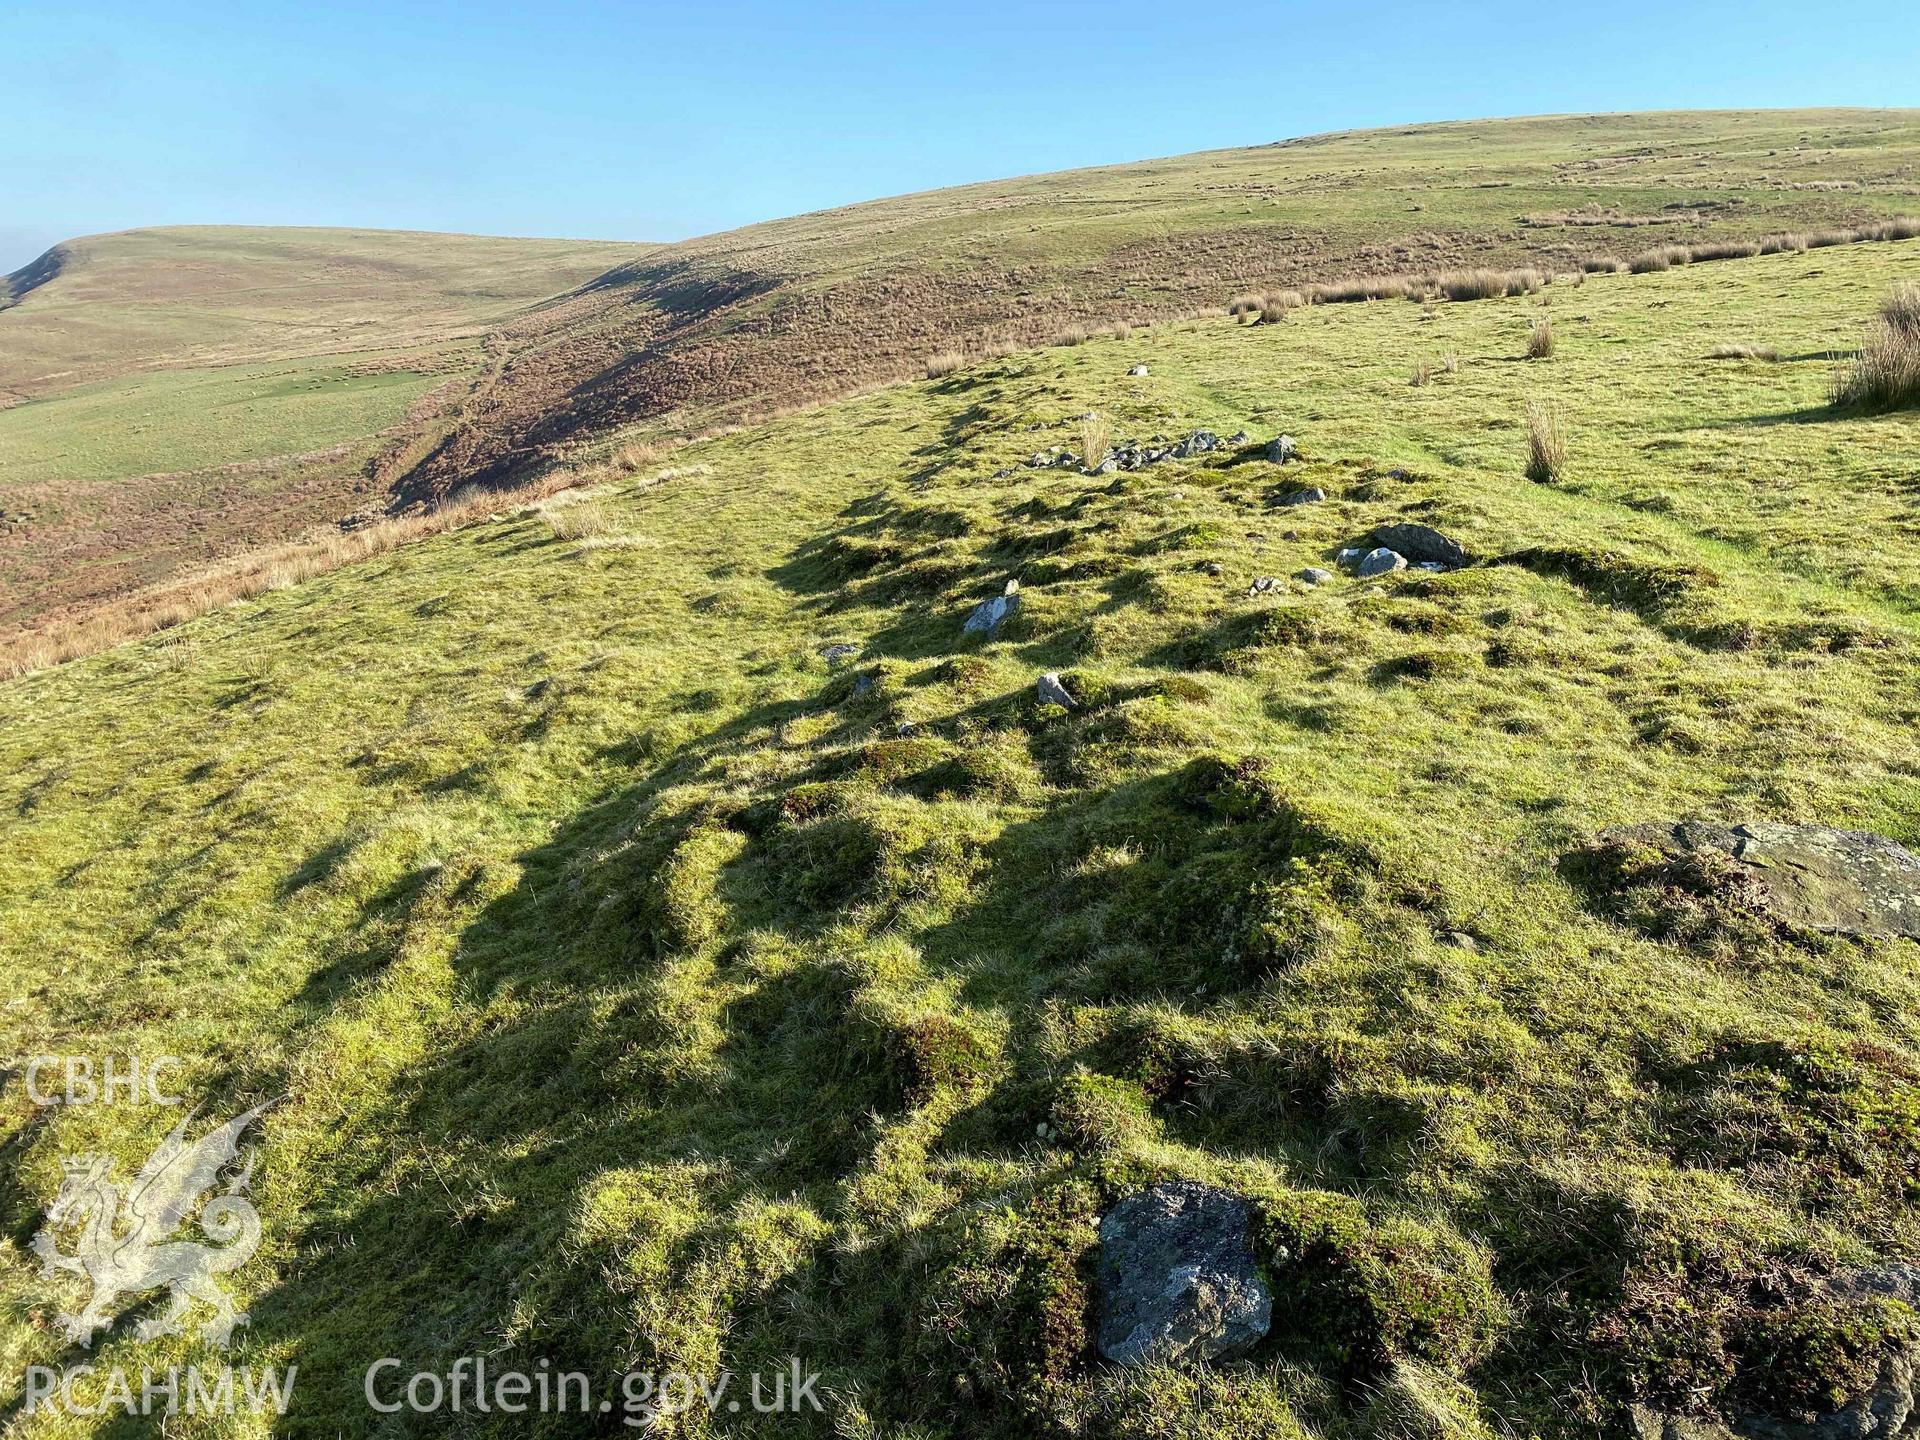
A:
(1807, 877)
(1280, 450)
(1421, 542)
(1178, 1280)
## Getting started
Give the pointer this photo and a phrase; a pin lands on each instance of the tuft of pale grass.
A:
(1276, 304)
(1075, 334)
(1725, 250)
(1546, 442)
(1450, 362)
(1422, 374)
(945, 363)
(1744, 352)
(1901, 308)
(1540, 339)
(1661, 257)
(1886, 373)
(1488, 284)
(1366, 287)
(1096, 440)
(580, 519)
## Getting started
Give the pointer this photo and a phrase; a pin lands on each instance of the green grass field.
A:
(198, 418)
(650, 993)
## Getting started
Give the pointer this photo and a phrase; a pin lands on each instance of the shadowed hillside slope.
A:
(682, 946)
(775, 314)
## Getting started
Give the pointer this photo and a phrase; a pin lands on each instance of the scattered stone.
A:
(1398, 474)
(1311, 496)
(1314, 575)
(1216, 569)
(1001, 474)
(988, 614)
(1265, 585)
(1178, 495)
(1198, 443)
(1178, 1279)
(1259, 535)
(1432, 565)
(1349, 556)
(1281, 450)
(1238, 438)
(1421, 542)
(1806, 877)
(1036, 460)
(834, 654)
(862, 684)
(1459, 940)
(1052, 692)
(1379, 562)
(1106, 466)
(1138, 372)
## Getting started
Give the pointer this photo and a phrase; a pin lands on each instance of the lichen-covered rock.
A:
(1310, 496)
(1281, 449)
(1379, 562)
(1421, 543)
(988, 614)
(1178, 1280)
(1052, 692)
(1804, 877)
(1314, 575)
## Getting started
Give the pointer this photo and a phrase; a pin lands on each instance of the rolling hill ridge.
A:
(418, 366)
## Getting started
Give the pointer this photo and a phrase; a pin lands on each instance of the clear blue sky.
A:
(661, 121)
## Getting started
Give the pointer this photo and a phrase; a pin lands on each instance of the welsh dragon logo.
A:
(126, 1239)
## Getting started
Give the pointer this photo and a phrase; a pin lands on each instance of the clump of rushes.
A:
(1540, 339)
(1886, 375)
(945, 363)
(1096, 439)
(1546, 442)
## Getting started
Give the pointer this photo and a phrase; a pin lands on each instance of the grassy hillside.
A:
(498, 359)
(743, 323)
(651, 991)
(234, 385)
